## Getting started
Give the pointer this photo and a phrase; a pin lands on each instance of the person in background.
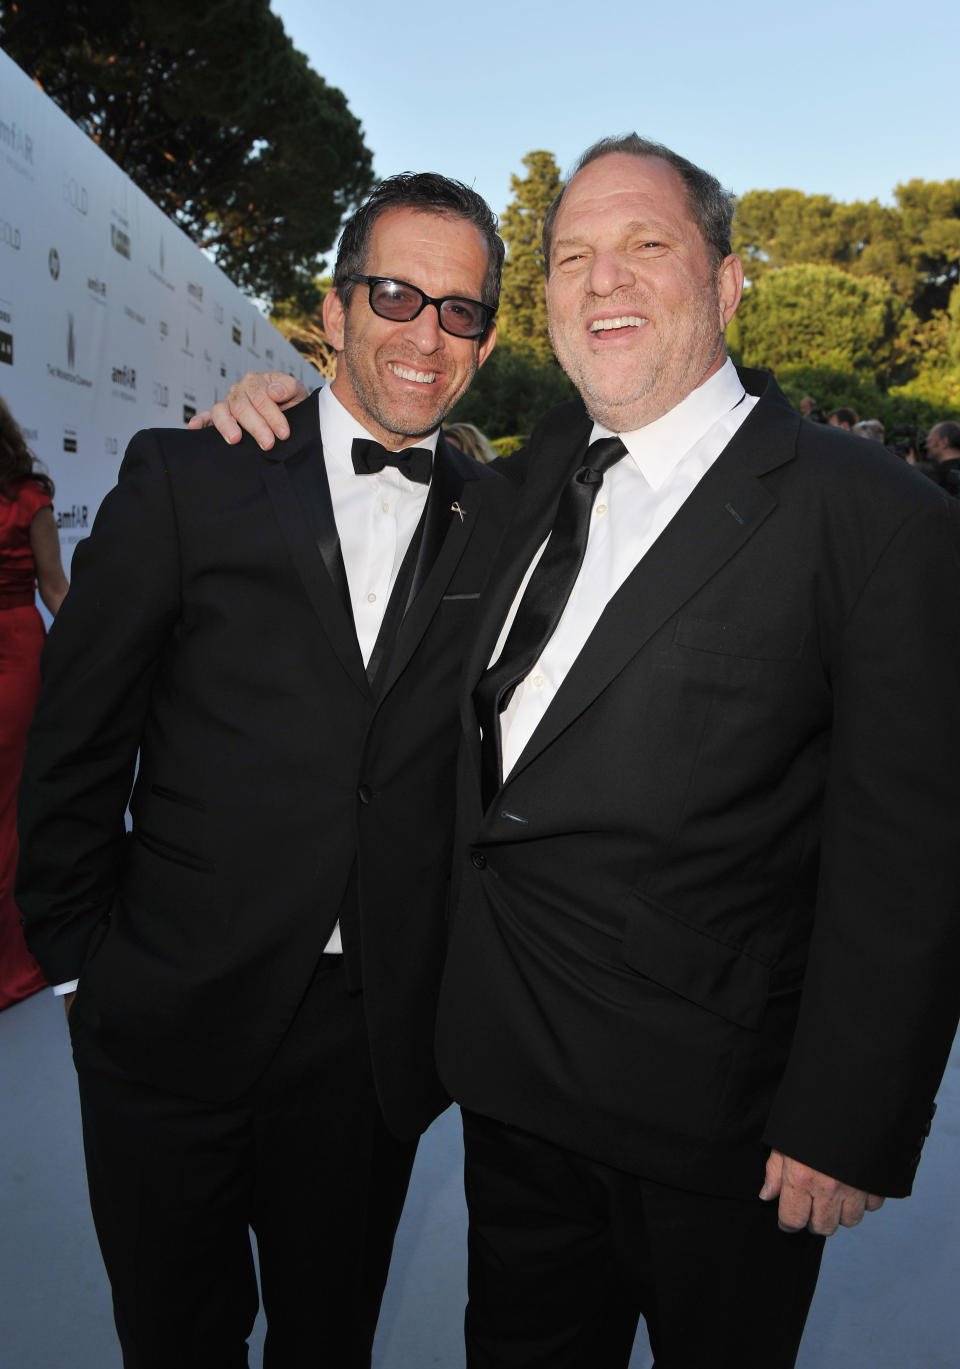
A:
(471, 440)
(869, 427)
(842, 418)
(29, 560)
(943, 448)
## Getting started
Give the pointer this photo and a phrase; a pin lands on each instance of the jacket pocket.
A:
(752, 641)
(718, 976)
(166, 850)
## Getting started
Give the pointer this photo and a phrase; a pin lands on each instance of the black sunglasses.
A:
(400, 302)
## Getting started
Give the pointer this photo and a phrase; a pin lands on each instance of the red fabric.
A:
(21, 640)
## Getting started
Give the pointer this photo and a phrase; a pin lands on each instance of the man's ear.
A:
(729, 287)
(334, 318)
(487, 345)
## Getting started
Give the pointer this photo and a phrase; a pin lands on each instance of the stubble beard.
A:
(392, 418)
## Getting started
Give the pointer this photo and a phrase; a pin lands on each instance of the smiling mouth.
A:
(606, 325)
(406, 373)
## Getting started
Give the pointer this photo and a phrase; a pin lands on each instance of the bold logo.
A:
(75, 195)
(97, 287)
(9, 235)
(188, 411)
(69, 439)
(120, 241)
(6, 348)
(71, 343)
(53, 263)
(124, 376)
(237, 334)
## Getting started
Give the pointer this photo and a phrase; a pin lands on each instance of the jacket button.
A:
(364, 793)
(478, 861)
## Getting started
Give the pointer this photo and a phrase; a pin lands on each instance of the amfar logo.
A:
(125, 376)
(9, 235)
(97, 288)
(120, 241)
(17, 141)
(77, 516)
(53, 263)
(75, 195)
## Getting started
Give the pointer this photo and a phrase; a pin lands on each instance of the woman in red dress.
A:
(29, 559)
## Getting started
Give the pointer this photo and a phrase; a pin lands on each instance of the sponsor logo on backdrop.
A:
(17, 145)
(195, 295)
(69, 439)
(111, 445)
(135, 315)
(159, 272)
(164, 329)
(189, 406)
(236, 332)
(97, 289)
(73, 523)
(71, 373)
(53, 263)
(161, 394)
(120, 240)
(124, 382)
(75, 195)
(223, 370)
(10, 235)
(186, 348)
(6, 335)
(218, 312)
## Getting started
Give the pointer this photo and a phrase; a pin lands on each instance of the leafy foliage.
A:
(215, 115)
(522, 319)
(511, 392)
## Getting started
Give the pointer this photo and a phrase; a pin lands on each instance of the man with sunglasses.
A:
(278, 638)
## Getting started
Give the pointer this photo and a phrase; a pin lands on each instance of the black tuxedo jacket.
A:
(205, 634)
(716, 905)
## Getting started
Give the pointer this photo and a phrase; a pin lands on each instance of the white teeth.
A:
(404, 372)
(624, 321)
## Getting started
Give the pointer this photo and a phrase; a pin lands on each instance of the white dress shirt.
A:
(639, 496)
(376, 517)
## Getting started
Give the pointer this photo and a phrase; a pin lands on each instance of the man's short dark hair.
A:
(710, 205)
(429, 193)
(950, 432)
(843, 416)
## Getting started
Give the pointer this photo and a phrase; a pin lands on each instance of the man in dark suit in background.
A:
(278, 639)
(707, 939)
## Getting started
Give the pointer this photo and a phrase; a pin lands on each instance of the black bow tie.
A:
(413, 462)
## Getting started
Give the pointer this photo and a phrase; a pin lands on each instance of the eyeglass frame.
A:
(371, 281)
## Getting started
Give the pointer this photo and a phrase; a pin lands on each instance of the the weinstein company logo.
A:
(71, 373)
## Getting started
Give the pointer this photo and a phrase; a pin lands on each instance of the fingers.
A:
(200, 420)
(774, 1177)
(811, 1200)
(253, 405)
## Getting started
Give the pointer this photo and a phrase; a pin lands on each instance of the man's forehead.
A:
(621, 184)
(425, 240)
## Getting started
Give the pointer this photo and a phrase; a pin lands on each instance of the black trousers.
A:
(566, 1254)
(304, 1160)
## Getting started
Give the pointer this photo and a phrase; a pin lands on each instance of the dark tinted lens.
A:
(394, 300)
(464, 317)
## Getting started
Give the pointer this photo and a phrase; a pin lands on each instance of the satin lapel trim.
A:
(320, 589)
(446, 533)
(720, 516)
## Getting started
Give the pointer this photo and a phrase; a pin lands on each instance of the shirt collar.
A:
(338, 428)
(658, 448)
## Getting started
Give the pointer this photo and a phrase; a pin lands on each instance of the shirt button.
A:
(364, 793)
(371, 598)
(601, 508)
(478, 861)
(385, 508)
(537, 681)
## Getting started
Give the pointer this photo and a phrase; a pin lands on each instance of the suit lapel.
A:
(719, 517)
(446, 532)
(295, 479)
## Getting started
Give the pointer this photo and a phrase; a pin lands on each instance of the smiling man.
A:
(278, 639)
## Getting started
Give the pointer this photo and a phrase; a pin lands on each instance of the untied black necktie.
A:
(542, 604)
(413, 462)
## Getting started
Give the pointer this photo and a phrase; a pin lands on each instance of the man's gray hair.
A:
(711, 206)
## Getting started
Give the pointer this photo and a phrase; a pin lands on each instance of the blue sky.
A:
(845, 99)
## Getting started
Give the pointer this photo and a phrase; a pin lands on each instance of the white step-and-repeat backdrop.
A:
(111, 319)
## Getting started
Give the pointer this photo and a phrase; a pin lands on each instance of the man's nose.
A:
(424, 331)
(609, 271)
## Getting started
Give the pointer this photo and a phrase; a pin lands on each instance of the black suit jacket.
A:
(715, 906)
(203, 633)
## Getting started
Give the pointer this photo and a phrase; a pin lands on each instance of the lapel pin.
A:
(455, 508)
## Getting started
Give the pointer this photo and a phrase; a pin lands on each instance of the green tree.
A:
(820, 315)
(522, 318)
(215, 115)
(511, 392)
